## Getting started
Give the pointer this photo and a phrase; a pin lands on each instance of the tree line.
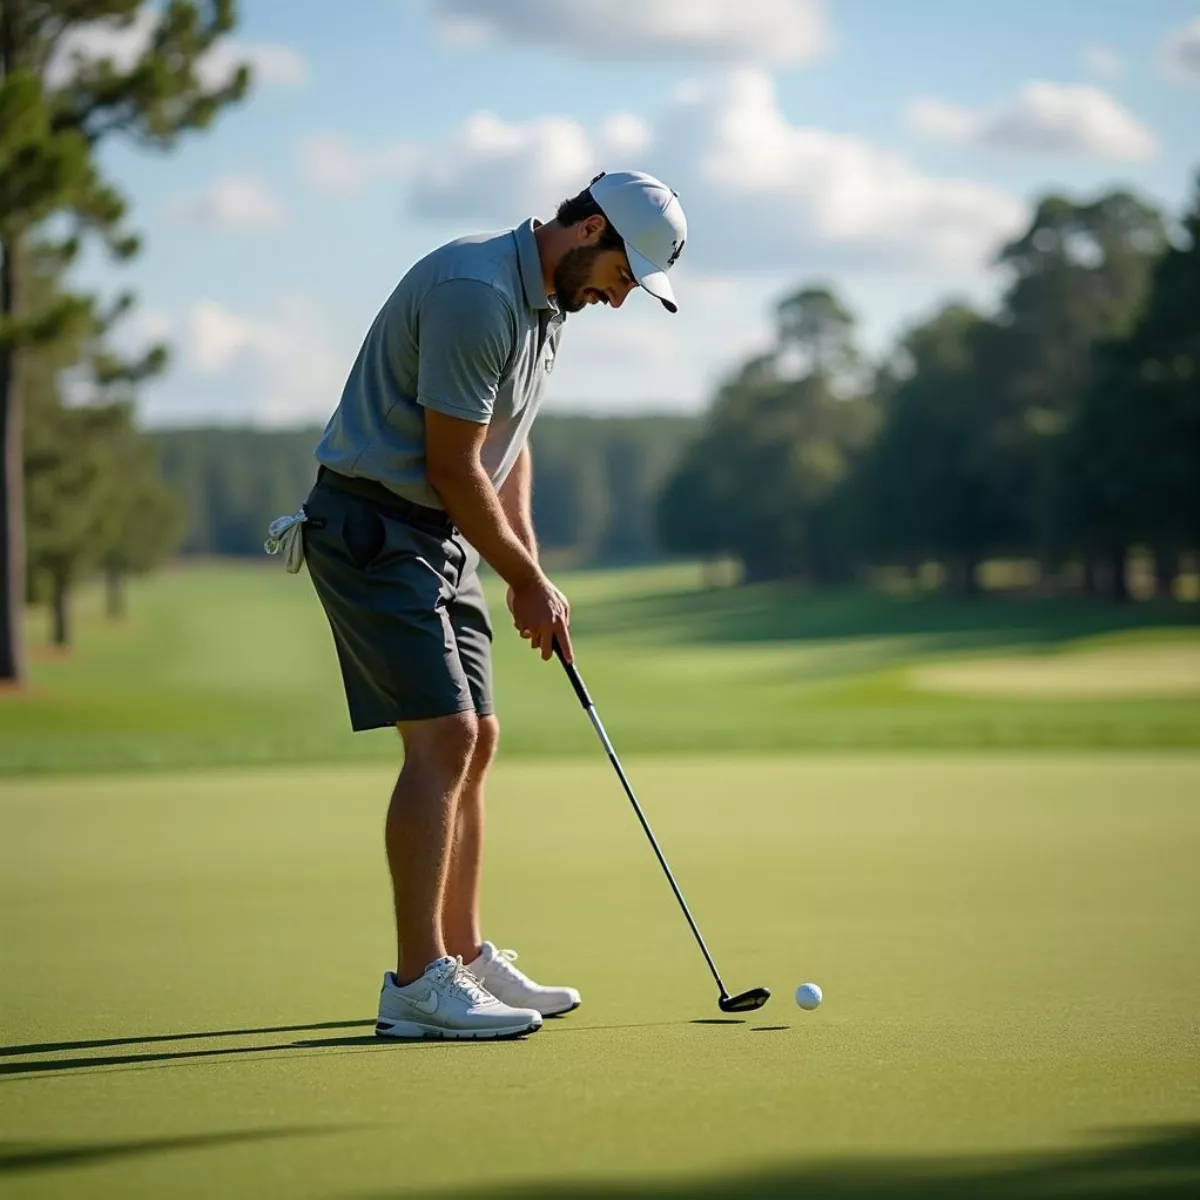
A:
(1063, 427)
(79, 488)
(596, 483)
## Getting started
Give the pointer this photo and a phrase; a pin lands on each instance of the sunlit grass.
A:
(233, 663)
(1006, 943)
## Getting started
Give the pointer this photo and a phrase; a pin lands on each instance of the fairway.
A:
(1007, 945)
(233, 664)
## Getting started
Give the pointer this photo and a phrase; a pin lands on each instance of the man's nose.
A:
(616, 296)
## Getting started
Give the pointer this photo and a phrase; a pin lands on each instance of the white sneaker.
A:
(447, 1001)
(494, 969)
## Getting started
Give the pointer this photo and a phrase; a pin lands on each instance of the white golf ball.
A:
(808, 996)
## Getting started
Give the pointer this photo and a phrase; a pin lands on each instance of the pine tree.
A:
(56, 109)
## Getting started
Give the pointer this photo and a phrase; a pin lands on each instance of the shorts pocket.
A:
(364, 534)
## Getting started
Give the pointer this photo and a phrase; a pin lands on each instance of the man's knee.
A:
(487, 740)
(442, 744)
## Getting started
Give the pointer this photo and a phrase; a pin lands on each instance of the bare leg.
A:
(460, 908)
(419, 832)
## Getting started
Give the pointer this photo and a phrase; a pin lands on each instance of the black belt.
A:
(370, 489)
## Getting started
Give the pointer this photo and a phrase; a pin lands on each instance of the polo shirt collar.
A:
(531, 266)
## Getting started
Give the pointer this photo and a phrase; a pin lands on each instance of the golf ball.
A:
(808, 996)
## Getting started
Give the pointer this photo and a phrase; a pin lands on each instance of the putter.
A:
(744, 1001)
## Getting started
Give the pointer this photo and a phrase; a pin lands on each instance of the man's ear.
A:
(591, 228)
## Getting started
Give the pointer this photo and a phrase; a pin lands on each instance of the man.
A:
(425, 468)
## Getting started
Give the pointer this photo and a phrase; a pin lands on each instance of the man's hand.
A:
(541, 614)
(452, 464)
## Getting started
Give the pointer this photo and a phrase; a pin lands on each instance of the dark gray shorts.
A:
(407, 612)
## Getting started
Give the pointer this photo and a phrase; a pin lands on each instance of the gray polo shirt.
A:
(468, 331)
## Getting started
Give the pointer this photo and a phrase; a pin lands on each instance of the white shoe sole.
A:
(415, 1029)
(562, 1012)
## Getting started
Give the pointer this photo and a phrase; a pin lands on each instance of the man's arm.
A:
(466, 332)
(516, 498)
(454, 470)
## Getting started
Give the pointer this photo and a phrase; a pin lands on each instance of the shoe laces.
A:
(504, 960)
(459, 979)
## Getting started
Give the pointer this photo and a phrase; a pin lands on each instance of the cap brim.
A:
(651, 278)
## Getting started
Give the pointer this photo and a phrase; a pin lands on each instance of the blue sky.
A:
(885, 148)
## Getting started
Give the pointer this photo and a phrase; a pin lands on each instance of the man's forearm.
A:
(516, 498)
(476, 509)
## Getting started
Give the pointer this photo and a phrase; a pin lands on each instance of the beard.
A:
(572, 275)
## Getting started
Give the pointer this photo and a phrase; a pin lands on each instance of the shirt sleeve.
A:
(465, 339)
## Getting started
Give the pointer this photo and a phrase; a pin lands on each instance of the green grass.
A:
(1007, 944)
(233, 664)
(1006, 939)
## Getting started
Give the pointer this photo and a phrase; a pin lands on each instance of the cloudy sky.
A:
(884, 147)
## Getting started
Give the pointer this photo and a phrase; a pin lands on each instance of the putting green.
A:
(1007, 945)
(1140, 670)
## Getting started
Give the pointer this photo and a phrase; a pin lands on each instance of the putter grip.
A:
(574, 676)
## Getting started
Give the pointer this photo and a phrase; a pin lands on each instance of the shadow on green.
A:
(786, 612)
(23, 1066)
(26, 1067)
(34, 1156)
(102, 1043)
(1159, 1163)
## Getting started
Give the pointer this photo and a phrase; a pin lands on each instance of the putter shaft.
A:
(586, 701)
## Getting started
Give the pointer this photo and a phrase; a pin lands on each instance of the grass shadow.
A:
(102, 1043)
(34, 1156)
(40, 1066)
(1156, 1163)
(785, 612)
(21, 1066)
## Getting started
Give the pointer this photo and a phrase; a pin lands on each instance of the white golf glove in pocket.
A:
(284, 536)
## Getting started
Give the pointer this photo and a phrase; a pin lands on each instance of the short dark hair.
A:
(579, 208)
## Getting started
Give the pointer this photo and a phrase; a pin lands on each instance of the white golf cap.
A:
(648, 215)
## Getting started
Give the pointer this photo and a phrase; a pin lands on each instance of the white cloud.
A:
(767, 31)
(624, 133)
(934, 118)
(273, 65)
(1043, 118)
(761, 194)
(1102, 61)
(146, 326)
(215, 336)
(1179, 56)
(334, 165)
(767, 192)
(288, 371)
(489, 165)
(153, 325)
(141, 329)
(236, 202)
(124, 44)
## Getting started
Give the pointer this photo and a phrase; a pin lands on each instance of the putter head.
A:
(745, 1001)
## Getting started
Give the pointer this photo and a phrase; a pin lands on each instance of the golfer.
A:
(424, 469)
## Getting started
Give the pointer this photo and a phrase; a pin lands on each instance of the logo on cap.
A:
(676, 251)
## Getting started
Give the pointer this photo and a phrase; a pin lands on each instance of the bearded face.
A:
(592, 275)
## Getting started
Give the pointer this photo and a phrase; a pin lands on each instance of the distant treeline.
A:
(1062, 427)
(596, 482)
